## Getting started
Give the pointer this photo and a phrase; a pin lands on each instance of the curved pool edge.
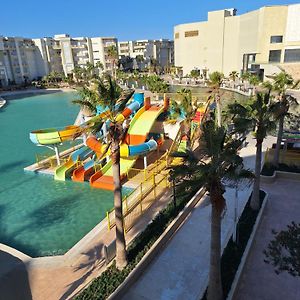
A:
(67, 259)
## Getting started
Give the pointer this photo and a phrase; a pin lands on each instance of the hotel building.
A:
(263, 42)
(161, 50)
(19, 60)
(23, 60)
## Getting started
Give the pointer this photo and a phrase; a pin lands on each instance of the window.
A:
(292, 55)
(274, 55)
(177, 35)
(191, 33)
(275, 39)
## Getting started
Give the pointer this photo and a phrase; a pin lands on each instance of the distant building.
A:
(74, 51)
(51, 60)
(63, 53)
(99, 51)
(263, 41)
(19, 61)
(145, 50)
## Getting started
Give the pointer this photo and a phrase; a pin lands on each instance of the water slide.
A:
(134, 146)
(84, 172)
(54, 136)
(65, 169)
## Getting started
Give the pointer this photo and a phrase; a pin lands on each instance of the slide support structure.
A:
(57, 155)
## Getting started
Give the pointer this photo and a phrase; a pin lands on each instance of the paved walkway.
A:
(259, 280)
(181, 270)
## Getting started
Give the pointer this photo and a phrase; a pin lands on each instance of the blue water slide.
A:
(81, 154)
(89, 164)
(137, 102)
(143, 148)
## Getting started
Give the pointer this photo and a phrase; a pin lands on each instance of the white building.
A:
(50, 58)
(161, 50)
(74, 51)
(20, 61)
(100, 46)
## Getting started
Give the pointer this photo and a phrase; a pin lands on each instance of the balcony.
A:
(56, 47)
(79, 46)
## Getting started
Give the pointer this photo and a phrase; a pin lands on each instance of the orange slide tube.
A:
(95, 145)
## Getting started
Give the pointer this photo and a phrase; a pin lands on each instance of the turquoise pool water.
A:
(40, 216)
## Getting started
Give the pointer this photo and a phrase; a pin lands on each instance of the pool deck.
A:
(59, 277)
(283, 207)
(34, 91)
(42, 166)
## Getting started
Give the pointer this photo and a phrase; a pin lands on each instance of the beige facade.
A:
(100, 46)
(262, 41)
(161, 50)
(19, 60)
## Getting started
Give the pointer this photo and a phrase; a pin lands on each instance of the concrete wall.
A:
(224, 38)
(272, 22)
(232, 59)
(190, 52)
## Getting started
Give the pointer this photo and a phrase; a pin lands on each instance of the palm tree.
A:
(216, 79)
(90, 68)
(257, 115)
(108, 94)
(245, 76)
(99, 65)
(218, 165)
(282, 81)
(157, 85)
(195, 74)
(153, 65)
(254, 81)
(78, 73)
(139, 60)
(88, 99)
(112, 53)
(233, 75)
(185, 108)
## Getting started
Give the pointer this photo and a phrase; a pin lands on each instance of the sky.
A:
(126, 20)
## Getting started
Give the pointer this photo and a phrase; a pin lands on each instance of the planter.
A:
(279, 174)
(156, 247)
(247, 250)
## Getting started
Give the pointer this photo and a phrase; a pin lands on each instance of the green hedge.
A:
(233, 252)
(110, 279)
(269, 169)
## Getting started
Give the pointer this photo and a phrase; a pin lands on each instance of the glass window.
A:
(292, 55)
(191, 33)
(274, 55)
(276, 39)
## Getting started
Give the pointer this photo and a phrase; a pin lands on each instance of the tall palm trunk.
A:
(215, 291)
(279, 139)
(256, 186)
(218, 107)
(121, 257)
(188, 133)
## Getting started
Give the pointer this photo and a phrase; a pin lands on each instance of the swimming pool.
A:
(40, 216)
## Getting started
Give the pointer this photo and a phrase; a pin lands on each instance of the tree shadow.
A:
(14, 280)
(92, 264)
(54, 212)
(7, 167)
(15, 185)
